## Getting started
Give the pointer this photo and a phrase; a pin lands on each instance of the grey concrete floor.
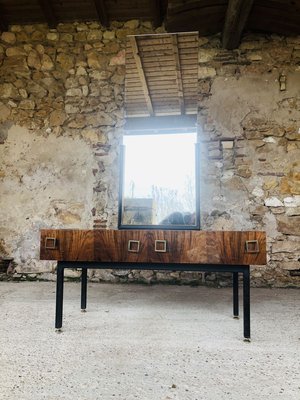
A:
(147, 342)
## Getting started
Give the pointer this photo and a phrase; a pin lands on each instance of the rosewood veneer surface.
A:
(193, 247)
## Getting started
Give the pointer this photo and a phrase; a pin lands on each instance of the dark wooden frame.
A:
(197, 189)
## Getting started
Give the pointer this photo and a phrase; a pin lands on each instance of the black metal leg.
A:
(235, 276)
(59, 295)
(83, 289)
(246, 295)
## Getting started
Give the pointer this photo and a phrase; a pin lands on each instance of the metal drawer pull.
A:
(134, 246)
(160, 246)
(50, 243)
(252, 246)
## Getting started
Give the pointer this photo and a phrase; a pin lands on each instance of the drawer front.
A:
(134, 245)
(236, 248)
(67, 245)
(121, 246)
(177, 247)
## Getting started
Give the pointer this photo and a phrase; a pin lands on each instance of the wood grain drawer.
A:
(154, 246)
(67, 245)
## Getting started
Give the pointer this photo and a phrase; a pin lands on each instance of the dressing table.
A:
(168, 250)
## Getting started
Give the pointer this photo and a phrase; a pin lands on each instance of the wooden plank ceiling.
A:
(231, 17)
(161, 74)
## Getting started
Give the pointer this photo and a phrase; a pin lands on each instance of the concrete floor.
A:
(148, 343)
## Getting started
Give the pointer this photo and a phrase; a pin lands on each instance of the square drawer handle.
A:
(163, 248)
(50, 243)
(252, 246)
(134, 246)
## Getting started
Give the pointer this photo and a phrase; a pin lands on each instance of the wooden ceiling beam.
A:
(235, 21)
(158, 14)
(102, 12)
(141, 73)
(49, 13)
(3, 25)
(178, 73)
(3, 22)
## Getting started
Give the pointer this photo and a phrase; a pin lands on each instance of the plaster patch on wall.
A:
(48, 182)
(233, 99)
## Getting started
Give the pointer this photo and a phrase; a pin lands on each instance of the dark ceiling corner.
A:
(235, 21)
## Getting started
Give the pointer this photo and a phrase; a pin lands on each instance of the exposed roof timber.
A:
(158, 13)
(141, 73)
(3, 22)
(236, 17)
(178, 73)
(3, 25)
(48, 12)
(102, 12)
(204, 16)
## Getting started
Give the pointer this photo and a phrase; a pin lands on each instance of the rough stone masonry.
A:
(61, 118)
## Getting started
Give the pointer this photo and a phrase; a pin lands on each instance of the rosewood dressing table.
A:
(219, 251)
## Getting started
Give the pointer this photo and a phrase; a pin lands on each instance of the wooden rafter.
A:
(49, 13)
(236, 17)
(158, 14)
(141, 73)
(178, 73)
(102, 12)
(3, 25)
(3, 22)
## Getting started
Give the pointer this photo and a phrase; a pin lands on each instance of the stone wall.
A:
(250, 114)
(61, 118)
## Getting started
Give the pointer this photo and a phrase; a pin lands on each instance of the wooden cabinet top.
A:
(154, 246)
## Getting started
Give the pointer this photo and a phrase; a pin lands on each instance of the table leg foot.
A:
(83, 310)
(247, 340)
(59, 295)
(58, 330)
(246, 290)
(235, 285)
(236, 317)
(83, 288)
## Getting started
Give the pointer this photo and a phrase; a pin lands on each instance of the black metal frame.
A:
(234, 269)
